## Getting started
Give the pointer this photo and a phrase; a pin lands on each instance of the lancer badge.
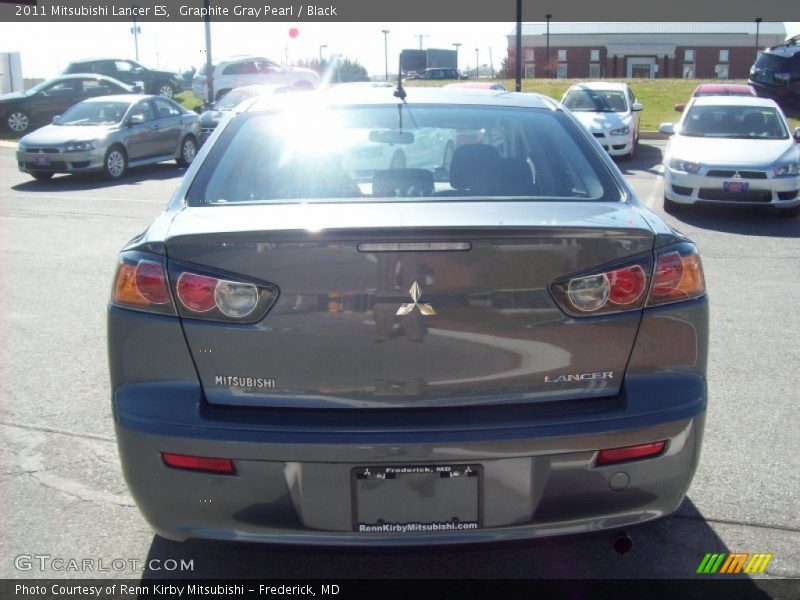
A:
(416, 294)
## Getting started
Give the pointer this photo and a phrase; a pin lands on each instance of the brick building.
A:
(649, 50)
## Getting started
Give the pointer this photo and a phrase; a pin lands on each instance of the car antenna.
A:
(400, 92)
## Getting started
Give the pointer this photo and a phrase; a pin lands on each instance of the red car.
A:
(719, 89)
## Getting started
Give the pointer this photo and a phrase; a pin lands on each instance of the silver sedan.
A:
(110, 135)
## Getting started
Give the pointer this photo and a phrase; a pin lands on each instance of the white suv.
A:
(239, 71)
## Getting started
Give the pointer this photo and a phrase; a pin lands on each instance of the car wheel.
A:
(789, 212)
(18, 121)
(116, 163)
(304, 85)
(221, 93)
(42, 176)
(671, 206)
(188, 151)
(166, 90)
(447, 158)
(398, 160)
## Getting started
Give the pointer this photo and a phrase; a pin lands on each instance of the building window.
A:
(722, 71)
(530, 71)
(688, 56)
(723, 56)
(562, 55)
(594, 70)
(594, 55)
(529, 55)
(561, 70)
(688, 71)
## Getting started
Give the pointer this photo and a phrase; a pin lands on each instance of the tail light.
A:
(141, 284)
(677, 276)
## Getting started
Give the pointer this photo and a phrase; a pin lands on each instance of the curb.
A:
(652, 135)
(7, 144)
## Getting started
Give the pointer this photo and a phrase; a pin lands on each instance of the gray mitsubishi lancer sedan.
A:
(498, 342)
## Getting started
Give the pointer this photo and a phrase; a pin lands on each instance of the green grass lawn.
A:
(658, 96)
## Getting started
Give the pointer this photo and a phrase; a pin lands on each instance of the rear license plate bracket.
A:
(41, 160)
(735, 186)
(417, 498)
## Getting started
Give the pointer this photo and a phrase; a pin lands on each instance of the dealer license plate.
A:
(41, 160)
(417, 499)
(735, 186)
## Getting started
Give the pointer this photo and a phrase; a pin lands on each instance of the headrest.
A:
(402, 183)
(472, 164)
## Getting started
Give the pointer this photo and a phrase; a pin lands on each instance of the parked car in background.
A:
(517, 350)
(215, 111)
(479, 85)
(111, 135)
(22, 111)
(719, 89)
(240, 71)
(161, 83)
(776, 74)
(610, 112)
(732, 150)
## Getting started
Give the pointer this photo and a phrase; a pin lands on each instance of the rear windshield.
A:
(402, 152)
(743, 122)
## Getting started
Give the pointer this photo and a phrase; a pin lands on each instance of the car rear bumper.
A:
(296, 486)
(684, 188)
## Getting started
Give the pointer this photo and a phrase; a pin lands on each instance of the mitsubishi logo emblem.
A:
(416, 294)
(736, 175)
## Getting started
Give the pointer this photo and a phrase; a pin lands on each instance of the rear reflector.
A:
(223, 466)
(615, 455)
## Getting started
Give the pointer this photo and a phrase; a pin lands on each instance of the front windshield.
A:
(734, 121)
(436, 152)
(94, 113)
(231, 100)
(579, 100)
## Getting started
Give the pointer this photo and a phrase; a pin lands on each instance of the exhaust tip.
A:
(621, 542)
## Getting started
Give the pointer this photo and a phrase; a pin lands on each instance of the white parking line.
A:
(104, 200)
(656, 189)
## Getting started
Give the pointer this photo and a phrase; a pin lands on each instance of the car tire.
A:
(166, 90)
(447, 157)
(18, 121)
(221, 93)
(398, 160)
(115, 163)
(42, 176)
(789, 213)
(304, 85)
(188, 151)
(671, 206)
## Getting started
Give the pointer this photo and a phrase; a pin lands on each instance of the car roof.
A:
(723, 87)
(342, 95)
(86, 76)
(240, 58)
(99, 58)
(131, 98)
(600, 85)
(733, 101)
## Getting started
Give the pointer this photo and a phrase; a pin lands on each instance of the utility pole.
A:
(385, 33)
(548, 17)
(477, 63)
(456, 44)
(209, 64)
(758, 27)
(518, 49)
(135, 30)
(491, 62)
(420, 36)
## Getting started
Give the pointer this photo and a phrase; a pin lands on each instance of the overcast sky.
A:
(47, 47)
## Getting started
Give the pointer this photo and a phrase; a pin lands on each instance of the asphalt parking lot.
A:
(63, 494)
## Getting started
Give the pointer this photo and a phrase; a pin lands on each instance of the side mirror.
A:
(679, 107)
(138, 89)
(57, 117)
(136, 119)
(668, 128)
(637, 107)
(797, 135)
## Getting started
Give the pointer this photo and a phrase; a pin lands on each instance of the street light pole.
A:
(548, 17)
(456, 44)
(491, 62)
(209, 64)
(477, 63)
(420, 36)
(518, 50)
(758, 27)
(135, 31)
(320, 51)
(385, 53)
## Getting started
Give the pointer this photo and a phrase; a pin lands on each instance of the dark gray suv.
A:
(776, 75)
(160, 83)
